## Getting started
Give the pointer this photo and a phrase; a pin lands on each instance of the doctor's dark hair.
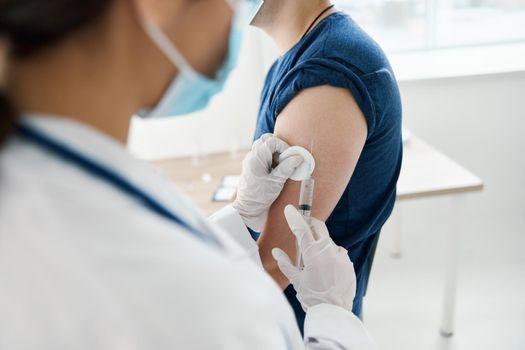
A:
(33, 25)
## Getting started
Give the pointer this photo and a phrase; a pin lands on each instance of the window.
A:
(401, 25)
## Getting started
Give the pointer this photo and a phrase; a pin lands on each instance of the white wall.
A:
(480, 122)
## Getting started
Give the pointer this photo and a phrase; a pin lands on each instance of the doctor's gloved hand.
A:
(260, 185)
(328, 275)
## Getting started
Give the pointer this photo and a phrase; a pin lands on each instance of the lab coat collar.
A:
(107, 152)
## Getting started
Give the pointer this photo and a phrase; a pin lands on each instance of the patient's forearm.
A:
(277, 234)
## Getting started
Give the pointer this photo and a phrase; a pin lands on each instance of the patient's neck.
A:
(293, 19)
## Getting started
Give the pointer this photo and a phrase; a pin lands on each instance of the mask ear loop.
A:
(168, 48)
(4, 49)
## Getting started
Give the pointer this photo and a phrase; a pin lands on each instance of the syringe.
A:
(306, 197)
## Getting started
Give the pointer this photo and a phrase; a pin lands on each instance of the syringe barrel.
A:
(306, 197)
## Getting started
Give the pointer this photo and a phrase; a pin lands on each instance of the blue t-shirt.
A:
(339, 53)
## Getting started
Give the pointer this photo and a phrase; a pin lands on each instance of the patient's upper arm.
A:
(328, 120)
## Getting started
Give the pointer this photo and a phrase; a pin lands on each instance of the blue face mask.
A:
(191, 91)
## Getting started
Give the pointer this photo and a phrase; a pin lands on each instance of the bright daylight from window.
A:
(401, 25)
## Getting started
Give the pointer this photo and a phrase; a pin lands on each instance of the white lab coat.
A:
(85, 266)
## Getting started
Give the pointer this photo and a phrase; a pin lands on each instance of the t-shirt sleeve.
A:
(324, 71)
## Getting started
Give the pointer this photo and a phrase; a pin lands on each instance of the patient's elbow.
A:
(271, 267)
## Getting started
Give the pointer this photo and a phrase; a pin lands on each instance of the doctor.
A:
(96, 250)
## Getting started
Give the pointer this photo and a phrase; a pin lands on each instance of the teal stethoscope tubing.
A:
(95, 169)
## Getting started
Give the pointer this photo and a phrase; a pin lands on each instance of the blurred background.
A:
(461, 69)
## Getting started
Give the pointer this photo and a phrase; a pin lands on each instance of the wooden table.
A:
(426, 172)
(199, 178)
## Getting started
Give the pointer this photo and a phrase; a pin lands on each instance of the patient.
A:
(332, 89)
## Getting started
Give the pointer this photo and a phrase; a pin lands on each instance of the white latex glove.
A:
(260, 185)
(328, 275)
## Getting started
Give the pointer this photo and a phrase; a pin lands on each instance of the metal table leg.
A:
(453, 235)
